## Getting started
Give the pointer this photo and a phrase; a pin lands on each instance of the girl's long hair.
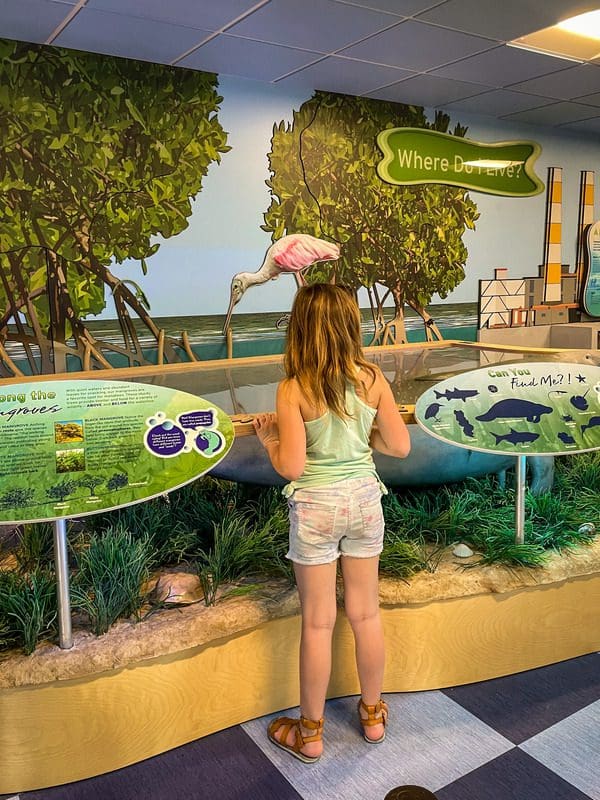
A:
(324, 345)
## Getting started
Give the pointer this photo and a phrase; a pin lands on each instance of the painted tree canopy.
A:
(99, 156)
(405, 238)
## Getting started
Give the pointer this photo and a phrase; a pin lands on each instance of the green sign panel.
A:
(418, 155)
(71, 448)
(525, 409)
(590, 294)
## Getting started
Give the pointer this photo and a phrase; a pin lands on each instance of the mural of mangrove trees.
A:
(99, 156)
(403, 241)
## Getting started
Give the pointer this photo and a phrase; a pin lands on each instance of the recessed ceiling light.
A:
(587, 25)
(576, 38)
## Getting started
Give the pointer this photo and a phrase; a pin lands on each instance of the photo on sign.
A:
(69, 431)
(70, 460)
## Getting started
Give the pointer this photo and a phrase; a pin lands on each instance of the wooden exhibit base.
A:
(68, 730)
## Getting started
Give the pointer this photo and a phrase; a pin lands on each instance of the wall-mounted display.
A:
(590, 294)
(413, 155)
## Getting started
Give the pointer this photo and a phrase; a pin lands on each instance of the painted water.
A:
(264, 333)
(259, 334)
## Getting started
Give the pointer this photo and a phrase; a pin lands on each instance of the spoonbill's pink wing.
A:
(299, 250)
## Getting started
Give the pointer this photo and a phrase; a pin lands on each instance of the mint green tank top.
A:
(337, 448)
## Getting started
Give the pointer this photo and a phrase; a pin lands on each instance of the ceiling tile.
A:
(499, 101)
(231, 55)
(322, 25)
(502, 66)
(414, 45)
(344, 75)
(210, 16)
(554, 114)
(131, 37)
(564, 85)
(504, 20)
(404, 8)
(31, 20)
(590, 99)
(588, 125)
(425, 90)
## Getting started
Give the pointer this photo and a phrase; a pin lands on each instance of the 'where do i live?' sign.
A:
(419, 155)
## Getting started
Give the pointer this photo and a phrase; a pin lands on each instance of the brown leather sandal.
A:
(285, 725)
(376, 715)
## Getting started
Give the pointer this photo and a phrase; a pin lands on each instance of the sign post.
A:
(525, 408)
(71, 448)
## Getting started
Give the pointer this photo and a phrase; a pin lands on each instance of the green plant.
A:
(28, 607)
(110, 575)
(241, 546)
(402, 558)
(36, 546)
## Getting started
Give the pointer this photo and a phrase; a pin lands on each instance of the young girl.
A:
(320, 440)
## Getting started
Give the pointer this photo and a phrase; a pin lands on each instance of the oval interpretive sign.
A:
(525, 409)
(70, 448)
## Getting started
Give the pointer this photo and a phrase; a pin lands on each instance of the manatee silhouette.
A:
(514, 407)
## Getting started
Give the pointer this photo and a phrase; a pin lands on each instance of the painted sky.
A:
(191, 273)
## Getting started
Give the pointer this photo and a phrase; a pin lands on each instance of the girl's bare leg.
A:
(316, 586)
(361, 601)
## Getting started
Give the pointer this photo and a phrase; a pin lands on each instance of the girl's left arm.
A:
(283, 435)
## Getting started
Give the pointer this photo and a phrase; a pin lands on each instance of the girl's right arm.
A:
(391, 436)
(282, 434)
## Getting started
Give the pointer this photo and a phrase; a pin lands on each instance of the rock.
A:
(178, 588)
(462, 551)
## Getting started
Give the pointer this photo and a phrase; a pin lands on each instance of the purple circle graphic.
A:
(166, 440)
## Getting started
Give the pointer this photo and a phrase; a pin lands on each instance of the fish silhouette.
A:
(516, 437)
(456, 394)
(593, 422)
(464, 423)
(566, 438)
(432, 410)
(514, 407)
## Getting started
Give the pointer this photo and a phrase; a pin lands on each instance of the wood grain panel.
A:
(69, 730)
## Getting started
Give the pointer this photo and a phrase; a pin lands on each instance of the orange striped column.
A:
(552, 239)
(585, 218)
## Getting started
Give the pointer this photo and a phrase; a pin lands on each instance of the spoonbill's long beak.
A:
(234, 299)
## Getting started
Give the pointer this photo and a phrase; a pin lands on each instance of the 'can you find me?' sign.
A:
(418, 155)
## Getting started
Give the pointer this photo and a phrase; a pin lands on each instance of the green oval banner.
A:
(525, 409)
(71, 448)
(419, 155)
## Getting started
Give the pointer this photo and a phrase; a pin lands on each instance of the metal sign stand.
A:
(65, 633)
(521, 471)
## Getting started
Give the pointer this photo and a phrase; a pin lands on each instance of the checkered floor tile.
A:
(534, 735)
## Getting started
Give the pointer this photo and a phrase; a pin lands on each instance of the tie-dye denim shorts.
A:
(344, 518)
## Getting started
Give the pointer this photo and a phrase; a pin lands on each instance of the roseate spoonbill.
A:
(292, 253)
